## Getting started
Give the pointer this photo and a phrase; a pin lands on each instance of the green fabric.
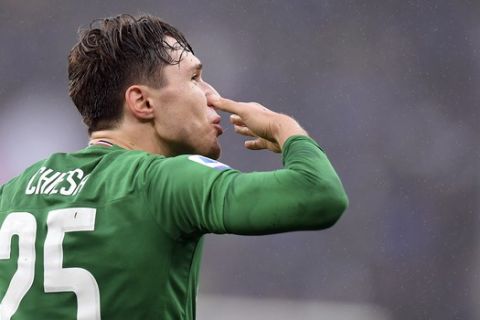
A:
(151, 214)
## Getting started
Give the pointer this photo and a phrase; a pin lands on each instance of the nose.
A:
(208, 89)
(213, 115)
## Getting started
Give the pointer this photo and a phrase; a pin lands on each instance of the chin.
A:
(214, 152)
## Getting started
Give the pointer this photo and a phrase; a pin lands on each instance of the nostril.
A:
(209, 97)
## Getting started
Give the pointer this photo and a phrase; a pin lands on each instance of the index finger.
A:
(223, 104)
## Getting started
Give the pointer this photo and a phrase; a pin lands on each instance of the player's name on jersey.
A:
(49, 182)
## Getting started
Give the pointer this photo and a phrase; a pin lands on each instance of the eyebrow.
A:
(197, 67)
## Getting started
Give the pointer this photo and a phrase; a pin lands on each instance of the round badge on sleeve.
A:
(214, 164)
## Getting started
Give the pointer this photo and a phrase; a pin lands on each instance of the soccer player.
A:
(114, 231)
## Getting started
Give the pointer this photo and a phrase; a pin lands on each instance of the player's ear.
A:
(137, 101)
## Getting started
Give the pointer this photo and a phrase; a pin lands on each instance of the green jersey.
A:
(117, 234)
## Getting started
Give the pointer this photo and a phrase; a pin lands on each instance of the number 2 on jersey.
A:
(57, 279)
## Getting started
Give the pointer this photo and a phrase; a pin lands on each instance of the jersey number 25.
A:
(57, 278)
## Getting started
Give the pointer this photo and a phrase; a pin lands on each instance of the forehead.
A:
(187, 59)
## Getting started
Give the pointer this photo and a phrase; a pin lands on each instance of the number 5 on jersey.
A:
(57, 279)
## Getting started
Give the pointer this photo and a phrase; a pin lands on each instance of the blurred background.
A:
(390, 89)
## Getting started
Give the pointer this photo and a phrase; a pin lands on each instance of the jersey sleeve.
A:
(194, 194)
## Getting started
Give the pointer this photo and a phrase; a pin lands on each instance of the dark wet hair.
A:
(112, 54)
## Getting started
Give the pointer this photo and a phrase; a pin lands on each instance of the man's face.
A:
(184, 122)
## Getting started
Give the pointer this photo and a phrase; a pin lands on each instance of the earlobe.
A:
(137, 101)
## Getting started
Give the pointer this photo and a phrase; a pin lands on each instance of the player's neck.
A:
(127, 141)
(108, 136)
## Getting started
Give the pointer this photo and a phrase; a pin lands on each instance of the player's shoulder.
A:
(27, 172)
(11, 188)
(190, 162)
(100, 164)
(184, 169)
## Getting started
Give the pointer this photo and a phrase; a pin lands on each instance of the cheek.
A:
(199, 96)
(198, 104)
(185, 107)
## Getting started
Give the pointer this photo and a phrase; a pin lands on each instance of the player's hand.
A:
(270, 129)
(257, 143)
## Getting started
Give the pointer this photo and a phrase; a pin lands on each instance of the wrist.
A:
(285, 127)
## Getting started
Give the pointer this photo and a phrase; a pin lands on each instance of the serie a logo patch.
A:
(214, 164)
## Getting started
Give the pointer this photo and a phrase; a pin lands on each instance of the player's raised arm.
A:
(305, 195)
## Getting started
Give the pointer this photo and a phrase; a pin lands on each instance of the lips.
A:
(218, 128)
